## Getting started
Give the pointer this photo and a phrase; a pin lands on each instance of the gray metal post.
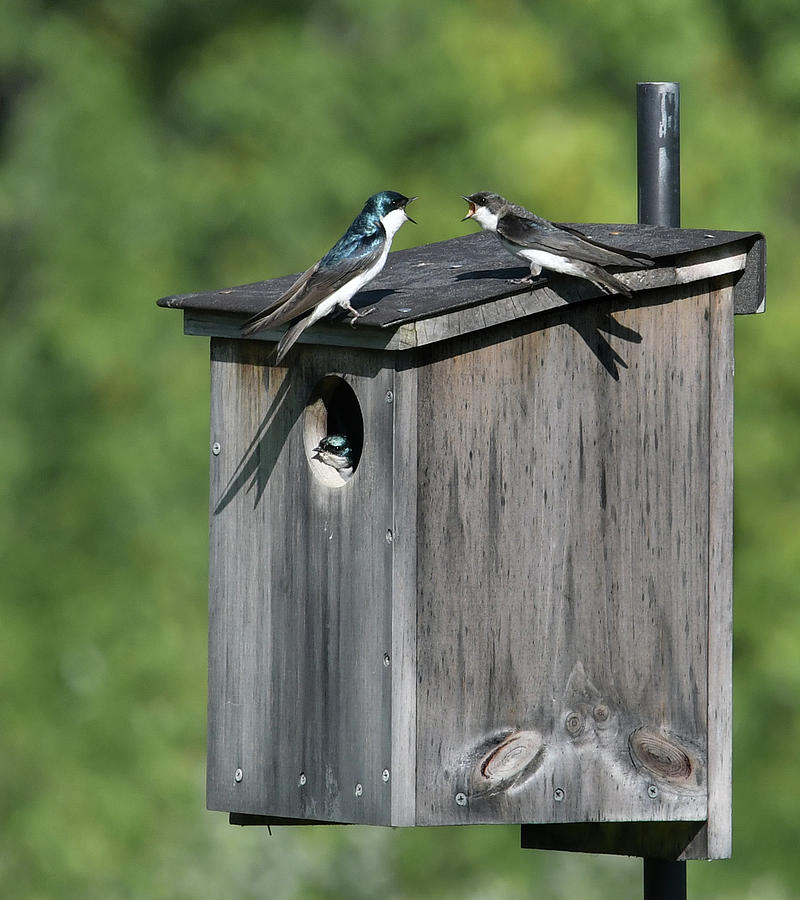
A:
(658, 107)
(658, 132)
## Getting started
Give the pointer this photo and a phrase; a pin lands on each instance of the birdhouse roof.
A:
(440, 290)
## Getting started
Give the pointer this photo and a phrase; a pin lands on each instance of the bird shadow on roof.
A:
(497, 274)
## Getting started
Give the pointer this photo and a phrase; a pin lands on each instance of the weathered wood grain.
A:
(436, 279)
(403, 661)
(300, 595)
(720, 575)
(563, 565)
(500, 303)
(553, 293)
(518, 609)
(229, 325)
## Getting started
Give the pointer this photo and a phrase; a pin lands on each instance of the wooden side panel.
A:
(563, 568)
(404, 595)
(300, 594)
(720, 577)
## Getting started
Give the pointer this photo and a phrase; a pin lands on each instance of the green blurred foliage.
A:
(148, 148)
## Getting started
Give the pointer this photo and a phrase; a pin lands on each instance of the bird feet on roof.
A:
(357, 315)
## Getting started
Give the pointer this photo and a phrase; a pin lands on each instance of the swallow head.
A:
(486, 208)
(390, 208)
(335, 451)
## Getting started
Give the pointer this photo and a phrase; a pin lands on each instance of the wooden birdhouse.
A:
(517, 608)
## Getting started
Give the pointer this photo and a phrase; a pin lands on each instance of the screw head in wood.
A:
(389, 536)
(389, 397)
(386, 660)
(558, 795)
(238, 775)
(385, 775)
(461, 799)
(652, 792)
(215, 448)
(359, 789)
(302, 779)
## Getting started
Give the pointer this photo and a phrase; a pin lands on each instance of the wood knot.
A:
(512, 756)
(662, 757)
(508, 762)
(573, 723)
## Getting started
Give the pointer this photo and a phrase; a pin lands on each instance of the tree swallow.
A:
(547, 245)
(356, 258)
(335, 451)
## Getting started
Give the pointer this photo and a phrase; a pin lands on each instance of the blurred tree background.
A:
(149, 147)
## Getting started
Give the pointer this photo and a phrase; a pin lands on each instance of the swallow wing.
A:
(625, 257)
(539, 234)
(351, 255)
(274, 313)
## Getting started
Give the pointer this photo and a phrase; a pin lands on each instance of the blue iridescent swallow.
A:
(335, 451)
(355, 259)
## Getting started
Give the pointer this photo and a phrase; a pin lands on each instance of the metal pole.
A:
(658, 117)
(664, 880)
(658, 133)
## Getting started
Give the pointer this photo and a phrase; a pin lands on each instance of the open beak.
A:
(470, 211)
(408, 217)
